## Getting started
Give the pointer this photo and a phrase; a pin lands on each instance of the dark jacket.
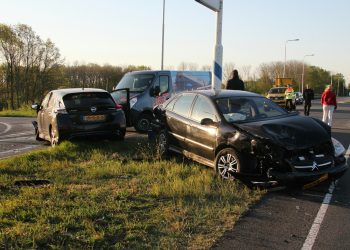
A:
(235, 84)
(308, 95)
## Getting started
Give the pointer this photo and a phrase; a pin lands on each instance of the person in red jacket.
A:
(329, 103)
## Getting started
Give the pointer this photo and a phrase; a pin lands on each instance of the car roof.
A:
(63, 92)
(224, 93)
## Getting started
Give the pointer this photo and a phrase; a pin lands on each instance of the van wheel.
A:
(54, 137)
(227, 163)
(143, 124)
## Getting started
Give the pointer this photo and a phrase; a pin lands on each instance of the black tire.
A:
(37, 137)
(227, 163)
(54, 136)
(120, 136)
(163, 144)
(143, 123)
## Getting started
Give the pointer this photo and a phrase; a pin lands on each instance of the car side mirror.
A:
(154, 91)
(36, 107)
(208, 122)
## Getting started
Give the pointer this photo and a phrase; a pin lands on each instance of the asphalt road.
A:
(293, 219)
(16, 136)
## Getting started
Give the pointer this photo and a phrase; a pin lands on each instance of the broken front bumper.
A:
(289, 177)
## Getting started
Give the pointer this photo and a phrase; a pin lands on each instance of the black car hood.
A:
(290, 132)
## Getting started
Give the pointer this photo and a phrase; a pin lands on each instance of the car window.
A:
(88, 99)
(203, 108)
(247, 109)
(277, 90)
(45, 101)
(163, 83)
(51, 101)
(170, 104)
(136, 82)
(183, 104)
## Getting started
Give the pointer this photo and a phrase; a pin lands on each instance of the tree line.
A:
(30, 67)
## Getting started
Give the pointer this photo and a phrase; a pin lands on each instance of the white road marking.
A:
(310, 240)
(7, 127)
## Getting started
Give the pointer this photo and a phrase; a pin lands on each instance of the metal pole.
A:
(285, 57)
(338, 87)
(302, 76)
(285, 54)
(217, 67)
(162, 63)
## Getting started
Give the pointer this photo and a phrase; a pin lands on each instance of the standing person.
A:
(329, 104)
(235, 82)
(289, 94)
(308, 95)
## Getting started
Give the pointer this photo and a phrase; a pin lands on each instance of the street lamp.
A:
(285, 54)
(302, 75)
(162, 63)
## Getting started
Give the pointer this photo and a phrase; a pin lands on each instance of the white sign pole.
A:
(216, 5)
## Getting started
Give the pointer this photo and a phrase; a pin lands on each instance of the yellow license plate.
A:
(316, 182)
(94, 118)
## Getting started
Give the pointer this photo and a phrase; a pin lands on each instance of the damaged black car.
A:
(244, 135)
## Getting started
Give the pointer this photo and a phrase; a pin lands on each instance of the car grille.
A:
(312, 159)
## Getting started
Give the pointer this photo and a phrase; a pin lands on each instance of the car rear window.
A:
(88, 99)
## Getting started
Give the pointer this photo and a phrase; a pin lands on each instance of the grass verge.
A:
(115, 195)
(25, 111)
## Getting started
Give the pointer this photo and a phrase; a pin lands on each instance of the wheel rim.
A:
(54, 137)
(227, 166)
(143, 124)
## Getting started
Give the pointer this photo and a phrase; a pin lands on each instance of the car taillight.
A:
(119, 106)
(61, 111)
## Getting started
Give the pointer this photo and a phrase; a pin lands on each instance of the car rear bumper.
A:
(289, 177)
(68, 129)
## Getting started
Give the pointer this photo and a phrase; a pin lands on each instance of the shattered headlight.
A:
(338, 147)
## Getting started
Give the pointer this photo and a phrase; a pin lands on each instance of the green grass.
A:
(115, 195)
(25, 111)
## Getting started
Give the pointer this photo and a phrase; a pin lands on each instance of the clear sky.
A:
(122, 32)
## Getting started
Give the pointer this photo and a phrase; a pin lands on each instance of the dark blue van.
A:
(139, 91)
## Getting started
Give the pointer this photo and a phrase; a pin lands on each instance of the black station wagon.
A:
(68, 113)
(242, 134)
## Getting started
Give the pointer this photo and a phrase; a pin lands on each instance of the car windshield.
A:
(248, 109)
(277, 90)
(88, 99)
(136, 82)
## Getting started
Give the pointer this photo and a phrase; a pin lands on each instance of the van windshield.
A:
(277, 90)
(136, 82)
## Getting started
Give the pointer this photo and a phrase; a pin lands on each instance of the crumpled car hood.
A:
(291, 132)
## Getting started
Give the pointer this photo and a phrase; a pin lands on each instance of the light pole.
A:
(162, 63)
(302, 75)
(285, 54)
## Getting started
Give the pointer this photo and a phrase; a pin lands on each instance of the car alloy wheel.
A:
(54, 137)
(227, 163)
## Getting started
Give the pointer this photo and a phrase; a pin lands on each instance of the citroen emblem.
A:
(93, 109)
(314, 166)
